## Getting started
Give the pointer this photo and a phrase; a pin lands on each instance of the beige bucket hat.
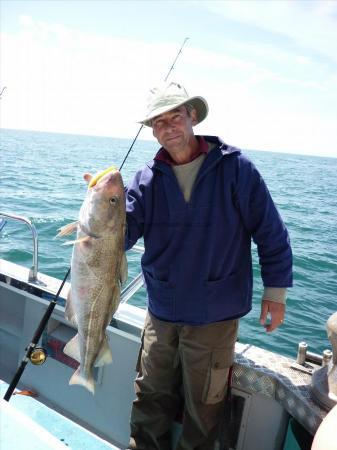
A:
(169, 96)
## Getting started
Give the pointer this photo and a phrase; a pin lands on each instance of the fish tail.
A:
(88, 383)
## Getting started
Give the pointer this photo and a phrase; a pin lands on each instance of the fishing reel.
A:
(38, 356)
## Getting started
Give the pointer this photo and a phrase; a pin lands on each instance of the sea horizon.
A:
(154, 141)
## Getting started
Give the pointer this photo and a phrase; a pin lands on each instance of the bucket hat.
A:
(169, 96)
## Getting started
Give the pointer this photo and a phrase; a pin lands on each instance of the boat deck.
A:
(27, 424)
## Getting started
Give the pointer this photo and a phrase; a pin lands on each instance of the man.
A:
(197, 205)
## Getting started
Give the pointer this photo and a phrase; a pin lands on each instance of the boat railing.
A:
(138, 248)
(136, 283)
(132, 288)
(34, 269)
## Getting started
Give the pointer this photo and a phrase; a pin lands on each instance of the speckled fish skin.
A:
(98, 269)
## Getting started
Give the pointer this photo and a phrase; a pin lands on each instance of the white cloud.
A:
(309, 23)
(62, 79)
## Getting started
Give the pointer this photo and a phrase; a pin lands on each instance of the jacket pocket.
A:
(160, 296)
(217, 377)
(228, 297)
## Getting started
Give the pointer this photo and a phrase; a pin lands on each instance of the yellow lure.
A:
(99, 175)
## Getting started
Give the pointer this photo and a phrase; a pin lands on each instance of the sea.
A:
(41, 178)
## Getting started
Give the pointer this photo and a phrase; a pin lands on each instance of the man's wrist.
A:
(275, 294)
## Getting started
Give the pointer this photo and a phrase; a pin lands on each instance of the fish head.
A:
(103, 209)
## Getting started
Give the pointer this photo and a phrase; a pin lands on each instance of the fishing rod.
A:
(40, 356)
(31, 349)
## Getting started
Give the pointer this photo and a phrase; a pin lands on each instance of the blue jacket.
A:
(197, 263)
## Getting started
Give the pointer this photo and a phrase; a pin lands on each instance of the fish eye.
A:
(113, 201)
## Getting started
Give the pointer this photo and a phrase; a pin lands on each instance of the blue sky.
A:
(267, 68)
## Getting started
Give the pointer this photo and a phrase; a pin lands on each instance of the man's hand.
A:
(276, 311)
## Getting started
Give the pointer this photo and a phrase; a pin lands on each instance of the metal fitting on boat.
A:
(301, 353)
(324, 380)
(32, 278)
(327, 355)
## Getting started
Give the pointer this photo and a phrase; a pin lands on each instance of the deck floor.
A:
(27, 424)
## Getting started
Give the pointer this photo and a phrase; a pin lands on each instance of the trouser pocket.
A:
(217, 375)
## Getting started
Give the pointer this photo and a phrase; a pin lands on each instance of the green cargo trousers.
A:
(181, 361)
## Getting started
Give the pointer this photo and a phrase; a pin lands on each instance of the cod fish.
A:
(98, 269)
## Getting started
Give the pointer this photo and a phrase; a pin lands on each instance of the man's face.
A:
(174, 129)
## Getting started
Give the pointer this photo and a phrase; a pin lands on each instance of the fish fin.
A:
(104, 356)
(67, 229)
(69, 312)
(123, 276)
(72, 348)
(88, 383)
(78, 241)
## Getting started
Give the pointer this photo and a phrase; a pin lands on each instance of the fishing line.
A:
(142, 126)
(52, 304)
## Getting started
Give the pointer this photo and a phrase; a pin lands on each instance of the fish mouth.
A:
(101, 175)
(109, 176)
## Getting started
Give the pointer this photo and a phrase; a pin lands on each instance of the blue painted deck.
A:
(27, 424)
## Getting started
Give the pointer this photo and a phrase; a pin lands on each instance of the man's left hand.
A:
(276, 311)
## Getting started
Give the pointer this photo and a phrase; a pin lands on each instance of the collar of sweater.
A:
(164, 156)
